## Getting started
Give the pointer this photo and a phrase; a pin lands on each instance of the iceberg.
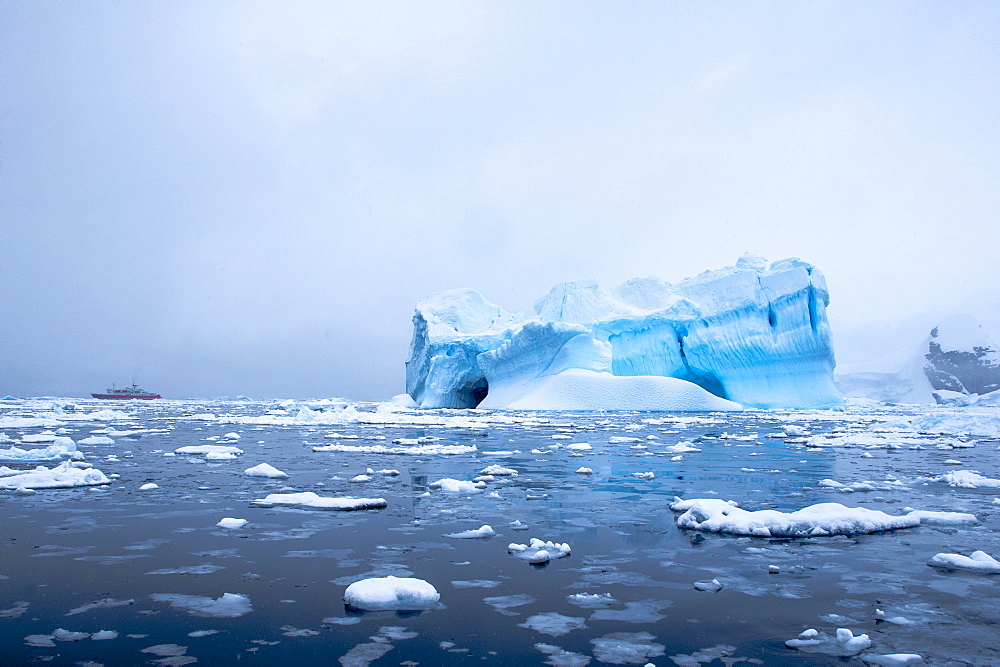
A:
(754, 334)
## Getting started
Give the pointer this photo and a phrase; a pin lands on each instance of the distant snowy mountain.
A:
(957, 364)
(752, 334)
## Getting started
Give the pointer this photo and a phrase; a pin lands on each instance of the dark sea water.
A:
(128, 550)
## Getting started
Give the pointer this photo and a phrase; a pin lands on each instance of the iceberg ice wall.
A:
(755, 334)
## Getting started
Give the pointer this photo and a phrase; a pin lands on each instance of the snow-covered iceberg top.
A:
(383, 593)
(752, 334)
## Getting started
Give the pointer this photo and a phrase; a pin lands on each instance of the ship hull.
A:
(122, 397)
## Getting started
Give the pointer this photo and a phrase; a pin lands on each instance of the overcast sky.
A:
(249, 197)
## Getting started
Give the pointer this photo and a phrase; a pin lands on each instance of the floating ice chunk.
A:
(681, 448)
(220, 456)
(978, 561)
(717, 516)
(498, 471)
(68, 635)
(626, 648)
(579, 447)
(400, 593)
(707, 655)
(457, 486)
(39, 640)
(561, 657)
(585, 471)
(63, 476)
(517, 525)
(104, 634)
(231, 436)
(483, 531)
(713, 586)
(97, 440)
(230, 605)
(167, 651)
(61, 448)
(843, 644)
(264, 470)
(149, 486)
(203, 633)
(644, 475)
(232, 523)
(592, 601)
(292, 631)
(968, 479)
(100, 604)
(209, 449)
(361, 478)
(421, 450)
(621, 440)
(538, 551)
(553, 623)
(314, 501)
(206, 568)
(892, 659)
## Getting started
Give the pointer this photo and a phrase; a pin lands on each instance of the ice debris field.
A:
(180, 532)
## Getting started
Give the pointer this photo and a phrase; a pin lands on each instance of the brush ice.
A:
(63, 476)
(752, 333)
(264, 470)
(314, 501)
(718, 516)
(978, 561)
(383, 593)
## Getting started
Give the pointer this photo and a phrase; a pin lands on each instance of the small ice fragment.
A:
(104, 634)
(483, 531)
(585, 471)
(384, 593)
(68, 635)
(978, 561)
(892, 659)
(643, 475)
(149, 486)
(713, 586)
(264, 470)
(232, 523)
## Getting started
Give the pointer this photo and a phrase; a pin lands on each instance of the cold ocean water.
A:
(152, 565)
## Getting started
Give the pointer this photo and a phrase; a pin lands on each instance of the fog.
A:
(248, 198)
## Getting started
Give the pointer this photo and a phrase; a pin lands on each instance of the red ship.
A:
(127, 393)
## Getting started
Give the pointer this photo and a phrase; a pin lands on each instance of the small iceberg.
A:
(391, 593)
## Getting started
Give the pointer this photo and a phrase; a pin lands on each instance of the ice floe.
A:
(383, 593)
(264, 470)
(553, 623)
(718, 516)
(539, 551)
(60, 449)
(483, 531)
(210, 451)
(315, 501)
(230, 605)
(65, 475)
(969, 479)
(457, 486)
(627, 648)
(978, 561)
(842, 644)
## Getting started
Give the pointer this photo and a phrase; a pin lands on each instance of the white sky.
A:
(249, 197)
